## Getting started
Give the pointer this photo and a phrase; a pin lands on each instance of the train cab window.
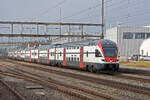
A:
(97, 53)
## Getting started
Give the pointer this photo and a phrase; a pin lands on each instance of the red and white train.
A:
(95, 55)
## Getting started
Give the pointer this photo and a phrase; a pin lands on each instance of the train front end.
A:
(109, 52)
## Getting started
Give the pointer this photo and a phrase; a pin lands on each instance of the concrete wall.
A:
(111, 34)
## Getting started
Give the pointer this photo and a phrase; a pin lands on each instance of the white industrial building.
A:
(145, 48)
(129, 39)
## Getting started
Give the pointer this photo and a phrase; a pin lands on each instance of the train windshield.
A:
(110, 52)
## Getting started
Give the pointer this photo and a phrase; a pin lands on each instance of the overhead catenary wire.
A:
(97, 15)
(133, 11)
(85, 10)
(130, 15)
(49, 9)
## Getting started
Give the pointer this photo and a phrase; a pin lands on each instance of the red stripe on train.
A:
(81, 57)
(47, 56)
(25, 56)
(64, 57)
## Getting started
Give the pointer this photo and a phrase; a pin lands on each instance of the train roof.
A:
(104, 43)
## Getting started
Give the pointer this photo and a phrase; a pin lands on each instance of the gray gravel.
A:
(5, 94)
(33, 94)
(124, 95)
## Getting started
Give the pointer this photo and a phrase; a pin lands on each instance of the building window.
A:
(148, 35)
(127, 35)
(139, 35)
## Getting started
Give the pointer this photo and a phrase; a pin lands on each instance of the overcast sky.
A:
(125, 12)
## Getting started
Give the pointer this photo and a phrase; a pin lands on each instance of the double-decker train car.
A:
(95, 55)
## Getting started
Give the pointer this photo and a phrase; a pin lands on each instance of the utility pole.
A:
(60, 24)
(102, 36)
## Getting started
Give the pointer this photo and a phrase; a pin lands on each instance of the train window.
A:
(77, 59)
(51, 54)
(69, 59)
(77, 47)
(87, 54)
(74, 59)
(97, 53)
(34, 53)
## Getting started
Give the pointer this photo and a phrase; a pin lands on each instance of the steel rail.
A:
(13, 91)
(102, 95)
(114, 84)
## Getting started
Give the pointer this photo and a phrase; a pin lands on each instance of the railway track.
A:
(20, 97)
(134, 71)
(75, 91)
(117, 75)
(114, 84)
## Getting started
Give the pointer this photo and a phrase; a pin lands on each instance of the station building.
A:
(129, 39)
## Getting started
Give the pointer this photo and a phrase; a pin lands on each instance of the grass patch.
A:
(137, 64)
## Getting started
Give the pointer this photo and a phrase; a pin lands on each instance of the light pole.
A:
(102, 10)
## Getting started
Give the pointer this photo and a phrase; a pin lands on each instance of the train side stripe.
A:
(25, 56)
(47, 56)
(100, 46)
(81, 57)
(64, 57)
